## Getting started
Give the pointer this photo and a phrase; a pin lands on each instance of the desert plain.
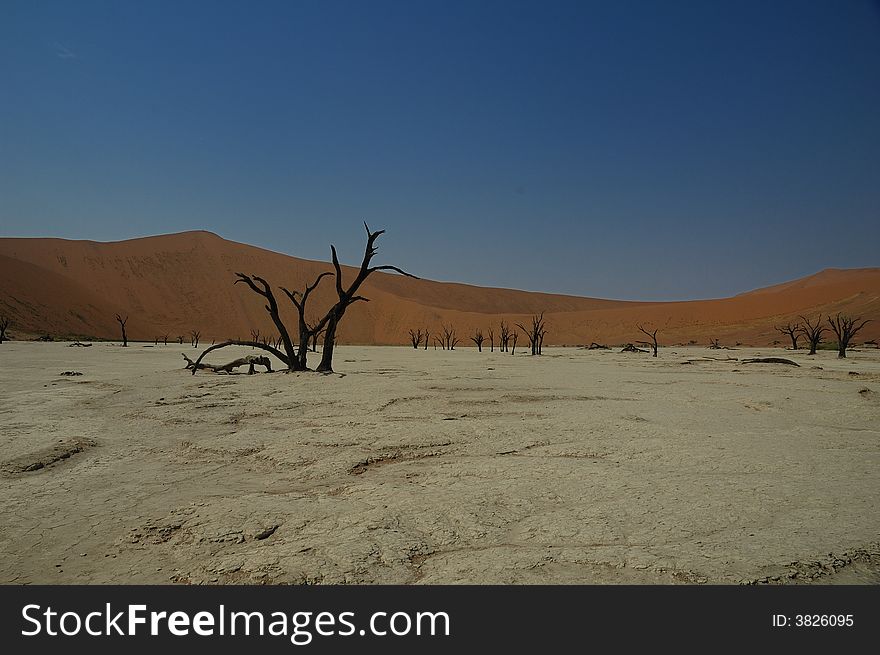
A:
(425, 467)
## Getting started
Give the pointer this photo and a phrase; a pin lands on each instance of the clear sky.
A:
(639, 150)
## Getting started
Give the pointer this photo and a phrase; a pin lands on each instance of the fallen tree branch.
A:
(254, 344)
(770, 360)
(250, 361)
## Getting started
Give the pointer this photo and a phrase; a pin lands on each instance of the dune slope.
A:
(176, 283)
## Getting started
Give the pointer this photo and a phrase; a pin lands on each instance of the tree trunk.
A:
(326, 365)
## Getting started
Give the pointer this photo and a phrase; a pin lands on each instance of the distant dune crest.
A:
(173, 284)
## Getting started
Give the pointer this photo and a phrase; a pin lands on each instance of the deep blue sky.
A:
(640, 150)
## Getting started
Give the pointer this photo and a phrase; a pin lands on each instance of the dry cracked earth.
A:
(425, 467)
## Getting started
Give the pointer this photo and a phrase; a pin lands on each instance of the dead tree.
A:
(296, 361)
(653, 335)
(426, 338)
(194, 338)
(255, 336)
(349, 296)
(535, 333)
(845, 329)
(4, 325)
(513, 337)
(122, 322)
(448, 338)
(504, 337)
(478, 339)
(438, 340)
(180, 339)
(314, 337)
(714, 344)
(164, 339)
(793, 330)
(415, 338)
(491, 340)
(259, 286)
(813, 333)
(630, 348)
(308, 332)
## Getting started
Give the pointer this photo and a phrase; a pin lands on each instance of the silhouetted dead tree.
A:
(845, 329)
(255, 336)
(491, 340)
(349, 296)
(478, 339)
(261, 287)
(4, 325)
(653, 335)
(415, 338)
(308, 332)
(426, 338)
(813, 333)
(438, 340)
(180, 339)
(793, 330)
(122, 322)
(504, 337)
(513, 337)
(448, 337)
(535, 333)
(195, 335)
(164, 339)
(316, 334)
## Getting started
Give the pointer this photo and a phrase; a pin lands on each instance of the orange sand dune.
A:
(176, 283)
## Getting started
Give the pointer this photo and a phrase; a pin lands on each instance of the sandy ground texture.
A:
(439, 467)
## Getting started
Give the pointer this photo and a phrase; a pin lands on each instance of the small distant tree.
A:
(478, 339)
(415, 337)
(504, 337)
(122, 322)
(164, 339)
(491, 340)
(255, 336)
(513, 336)
(195, 335)
(845, 328)
(426, 338)
(4, 325)
(180, 339)
(813, 332)
(535, 333)
(793, 330)
(652, 335)
(449, 338)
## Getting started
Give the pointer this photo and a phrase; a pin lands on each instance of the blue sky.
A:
(639, 150)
